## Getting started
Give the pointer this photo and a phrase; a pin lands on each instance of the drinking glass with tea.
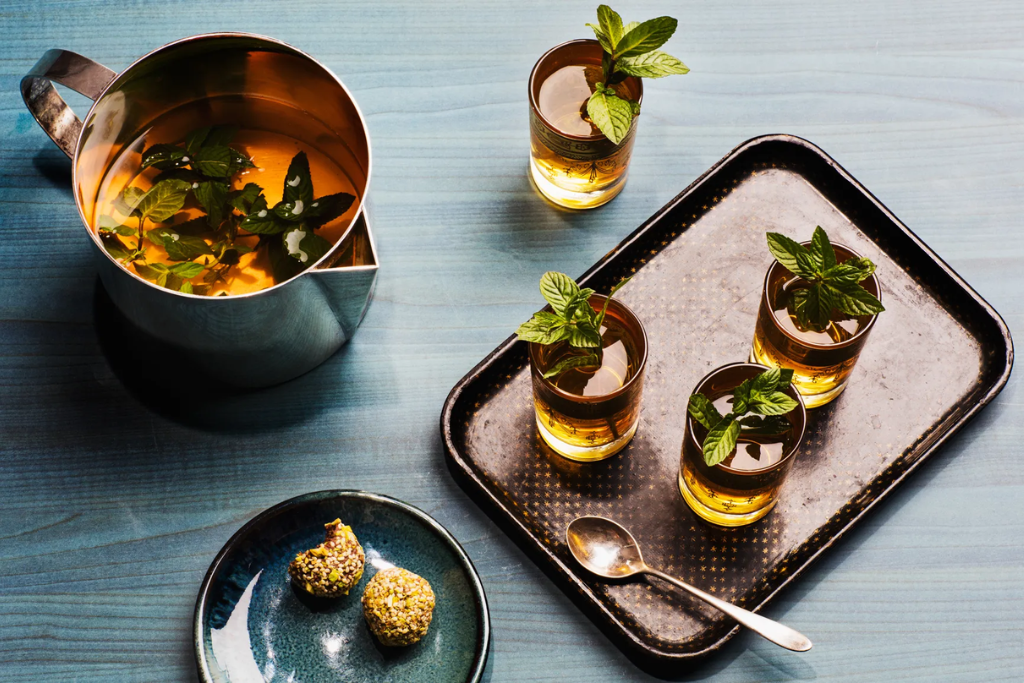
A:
(587, 358)
(743, 429)
(819, 303)
(585, 97)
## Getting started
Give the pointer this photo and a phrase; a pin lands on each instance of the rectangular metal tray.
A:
(698, 266)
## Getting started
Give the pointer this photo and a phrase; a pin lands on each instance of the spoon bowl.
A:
(607, 549)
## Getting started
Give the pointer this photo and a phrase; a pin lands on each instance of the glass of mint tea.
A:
(744, 486)
(590, 412)
(821, 356)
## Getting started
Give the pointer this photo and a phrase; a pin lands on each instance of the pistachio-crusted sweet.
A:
(398, 606)
(332, 568)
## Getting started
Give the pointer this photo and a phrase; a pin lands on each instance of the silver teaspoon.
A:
(605, 548)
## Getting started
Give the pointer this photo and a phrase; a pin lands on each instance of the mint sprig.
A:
(201, 169)
(629, 50)
(571, 319)
(830, 285)
(762, 395)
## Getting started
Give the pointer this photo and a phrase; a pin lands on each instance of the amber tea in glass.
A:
(270, 133)
(745, 486)
(821, 360)
(590, 413)
(572, 163)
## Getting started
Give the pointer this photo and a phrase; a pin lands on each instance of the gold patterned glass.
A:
(821, 361)
(590, 413)
(745, 486)
(572, 163)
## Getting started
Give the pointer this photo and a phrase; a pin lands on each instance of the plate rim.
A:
(479, 595)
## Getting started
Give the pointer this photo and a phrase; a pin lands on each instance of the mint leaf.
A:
(298, 187)
(864, 264)
(647, 36)
(844, 273)
(558, 289)
(821, 250)
(741, 396)
(212, 195)
(579, 305)
(543, 328)
(571, 362)
(815, 307)
(111, 225)
(326, 209)
(703, 411)
(608, 299)
(721, 441)
(128, 201)
(186, 270)
(767, 381)
(239, 161)
(583, 335)
(611, 25)
(214, 161)
(654, 64)
(186, 248)
(261, 220)
(292, 212)
(793, 256)
(243, 199)
(194, 140)
(852, 299)
(610, 113)
(157, 272)
(186, 287)
(163, 200)
(114, 246)
(770, 424)
(775, 403)
(220, 136)
(304, 245)
(602, 38)
(163, 157)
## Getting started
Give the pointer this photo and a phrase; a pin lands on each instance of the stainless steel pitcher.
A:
(256, 339)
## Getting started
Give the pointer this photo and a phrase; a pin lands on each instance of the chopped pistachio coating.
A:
(398, 606)
(332, 568)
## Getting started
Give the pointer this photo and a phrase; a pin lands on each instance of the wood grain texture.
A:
(113, 500)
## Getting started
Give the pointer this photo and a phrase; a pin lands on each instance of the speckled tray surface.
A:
(698, 266)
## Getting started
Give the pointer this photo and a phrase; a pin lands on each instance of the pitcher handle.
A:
(79, 73)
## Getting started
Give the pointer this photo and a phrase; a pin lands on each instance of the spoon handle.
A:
(772, 630)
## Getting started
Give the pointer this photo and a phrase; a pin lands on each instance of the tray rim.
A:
(462, 472)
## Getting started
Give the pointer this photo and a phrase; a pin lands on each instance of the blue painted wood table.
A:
(113, 502)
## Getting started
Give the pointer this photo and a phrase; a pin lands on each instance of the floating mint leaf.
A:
(194, 140)
(163, 200)
(213, 161)
(163, 157)
(212, 195)
(704, 411)
(648, 35)
(328, 208)
(128, 201)
(110, 224)
(610, 113)
(186, 270)
(591, 360)
(298, 187)
(243, 199)
(654, 64)
(765, 425)
(114, 246)
(186, 287)
(759, 394)
(261, 220)
(239, 161)
(721, 441)
(292, 212)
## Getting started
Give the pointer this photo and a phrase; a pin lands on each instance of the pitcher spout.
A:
(349, 280)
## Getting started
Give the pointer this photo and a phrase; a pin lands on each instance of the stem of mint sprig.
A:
(571, 319)
(629, 50)
(762, 395)
(830, 285)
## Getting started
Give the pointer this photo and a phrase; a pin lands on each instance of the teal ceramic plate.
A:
(251, 626)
